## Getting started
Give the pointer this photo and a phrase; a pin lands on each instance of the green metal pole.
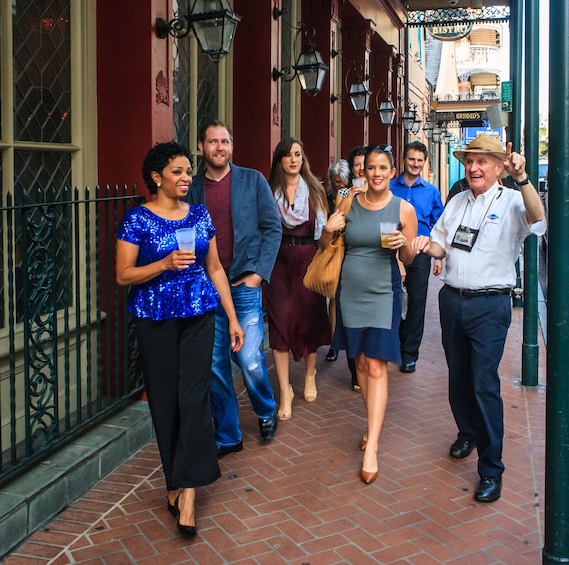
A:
(516, 51)
(514, 129)
(556, 548)
(530, 348)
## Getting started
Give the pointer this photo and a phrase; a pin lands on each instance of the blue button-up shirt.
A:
(424, 197)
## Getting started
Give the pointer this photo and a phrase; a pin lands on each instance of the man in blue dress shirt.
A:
(426, 200)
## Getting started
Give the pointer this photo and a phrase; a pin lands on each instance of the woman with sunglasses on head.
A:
(369, 298)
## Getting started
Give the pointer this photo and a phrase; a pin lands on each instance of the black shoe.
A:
(461, 448)
(489, 489)
(172, 508)
(268, 427)
(223, 450)
(407, 367)
(332, 354)
(188, 531)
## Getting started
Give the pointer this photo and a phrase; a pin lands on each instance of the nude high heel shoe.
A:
(285, 407)
(310, 392)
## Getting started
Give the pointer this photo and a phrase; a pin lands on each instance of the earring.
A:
(159, 184)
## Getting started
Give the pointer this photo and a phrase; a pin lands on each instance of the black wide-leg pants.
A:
(176, 362)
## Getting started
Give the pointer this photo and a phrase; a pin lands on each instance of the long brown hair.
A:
(277, 178)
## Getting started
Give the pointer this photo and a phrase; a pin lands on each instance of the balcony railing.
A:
(67, 351)
(479, 58)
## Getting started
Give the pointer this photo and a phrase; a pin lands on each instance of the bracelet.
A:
(524, 182)
(438, 258)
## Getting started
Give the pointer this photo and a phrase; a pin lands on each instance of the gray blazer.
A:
(257, 229)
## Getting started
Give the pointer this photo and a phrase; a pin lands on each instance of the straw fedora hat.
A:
(482, 144)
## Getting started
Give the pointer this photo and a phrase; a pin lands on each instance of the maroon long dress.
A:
(298, 317)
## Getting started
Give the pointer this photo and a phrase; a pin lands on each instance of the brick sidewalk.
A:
(299, 499)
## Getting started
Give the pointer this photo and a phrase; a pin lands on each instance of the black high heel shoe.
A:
(188, 531)
(173, 509)
(332, 355)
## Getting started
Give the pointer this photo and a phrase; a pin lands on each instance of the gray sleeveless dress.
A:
(369, 296)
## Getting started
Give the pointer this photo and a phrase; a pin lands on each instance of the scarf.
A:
(298, 213)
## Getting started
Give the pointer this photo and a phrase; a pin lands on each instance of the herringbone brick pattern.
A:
(299, 500)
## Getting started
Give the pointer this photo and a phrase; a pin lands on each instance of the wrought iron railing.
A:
(67, 351)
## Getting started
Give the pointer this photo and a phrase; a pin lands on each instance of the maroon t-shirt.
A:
(218, 201)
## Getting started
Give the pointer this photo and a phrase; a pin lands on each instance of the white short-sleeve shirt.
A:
(500, 215)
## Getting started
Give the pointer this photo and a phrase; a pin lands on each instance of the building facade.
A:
(86, 88)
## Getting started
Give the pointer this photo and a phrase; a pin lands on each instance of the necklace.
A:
(375, 203)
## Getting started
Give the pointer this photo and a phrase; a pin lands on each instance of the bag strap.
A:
(346, 203)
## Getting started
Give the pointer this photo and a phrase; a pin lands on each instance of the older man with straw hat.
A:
(480, 234)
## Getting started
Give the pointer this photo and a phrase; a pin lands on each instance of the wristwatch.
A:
(523, 182)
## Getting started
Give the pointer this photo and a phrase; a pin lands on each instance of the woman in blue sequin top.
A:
(173, 295)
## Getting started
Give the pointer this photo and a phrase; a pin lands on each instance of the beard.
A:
(218, 162)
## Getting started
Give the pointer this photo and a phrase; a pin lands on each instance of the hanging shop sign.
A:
(463, 116)
(450, 32)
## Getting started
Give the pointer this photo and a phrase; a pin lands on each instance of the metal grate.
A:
(68, 353)
(449, 16)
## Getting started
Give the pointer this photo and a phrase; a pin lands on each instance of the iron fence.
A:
(67, 351)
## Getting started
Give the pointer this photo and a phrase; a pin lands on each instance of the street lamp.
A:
(310, 69)
(428, 128)
(213, 22)
(436, 134)
(359, 95)
(386, 112)
(416, 124)
(409, 117)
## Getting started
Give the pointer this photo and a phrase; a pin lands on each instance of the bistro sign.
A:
(450, 32)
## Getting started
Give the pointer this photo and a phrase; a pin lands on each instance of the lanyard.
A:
(487, 209)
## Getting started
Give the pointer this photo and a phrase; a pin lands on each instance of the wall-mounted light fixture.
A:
(436, 135)
(386, 112)
(417, 124)
(359, 95)
(428, 128)
(309, 68)
(213, 22)
(358, 92)
(409, 116)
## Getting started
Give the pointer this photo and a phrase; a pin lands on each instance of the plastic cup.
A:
(386, 229)
(358, 182)
(186, 238)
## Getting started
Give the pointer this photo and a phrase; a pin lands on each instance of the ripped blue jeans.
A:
(250, 359)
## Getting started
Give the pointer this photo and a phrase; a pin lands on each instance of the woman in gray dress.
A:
(369, 295)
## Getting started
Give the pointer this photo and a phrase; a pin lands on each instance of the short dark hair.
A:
(356, 152)
(415, 146)
(157, 158)
(214, 124)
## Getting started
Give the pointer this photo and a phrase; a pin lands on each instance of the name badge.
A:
(465, 238)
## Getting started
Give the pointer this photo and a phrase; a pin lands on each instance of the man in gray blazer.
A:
(248, 233)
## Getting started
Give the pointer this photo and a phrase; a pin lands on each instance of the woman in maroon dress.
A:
(298, 321)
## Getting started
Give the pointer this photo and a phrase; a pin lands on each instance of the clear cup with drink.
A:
(386, 230)
(186, 238)
(358, 183)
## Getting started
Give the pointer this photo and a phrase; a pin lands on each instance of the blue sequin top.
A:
(173, 294)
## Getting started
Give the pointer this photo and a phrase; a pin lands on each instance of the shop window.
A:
(40, 160)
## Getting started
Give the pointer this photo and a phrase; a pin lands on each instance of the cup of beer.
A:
(386, 229)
